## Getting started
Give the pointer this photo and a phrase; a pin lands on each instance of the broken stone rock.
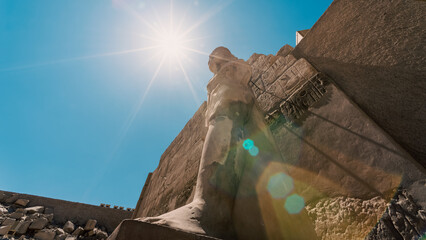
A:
(91, 233)
(49, 217)
(59, 231)
(21, 210)
(39, 223)
(78, 231)
(8, 221)
(71, 238)
(22, 202)
(4, 229)
(101, 234)
(22, 227)
(36, 209)
(61, 236)
(69, 227)
(16, 215)
(45, 234)
(12, 199)
(90, 225)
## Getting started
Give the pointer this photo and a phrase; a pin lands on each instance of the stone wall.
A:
(338, 129)
(78, 213)
(171, 185)
(375, 51)
(329, 146)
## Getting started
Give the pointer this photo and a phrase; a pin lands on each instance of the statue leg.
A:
(210, 211)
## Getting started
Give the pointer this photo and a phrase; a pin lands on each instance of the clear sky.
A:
(93, 92)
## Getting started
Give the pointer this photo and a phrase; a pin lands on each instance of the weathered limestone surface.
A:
(171, 185)
(375, 51)
(403, 219)
(345, 217)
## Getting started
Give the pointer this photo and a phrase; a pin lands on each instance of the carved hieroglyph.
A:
(287, 87)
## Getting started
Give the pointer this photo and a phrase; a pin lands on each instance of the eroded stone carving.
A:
(304, 97)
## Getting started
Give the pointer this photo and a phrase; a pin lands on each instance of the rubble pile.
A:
(17, 221)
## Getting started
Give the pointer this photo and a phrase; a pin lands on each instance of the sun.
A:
(171, 44)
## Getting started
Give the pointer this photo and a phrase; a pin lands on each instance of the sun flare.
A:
(171, 44)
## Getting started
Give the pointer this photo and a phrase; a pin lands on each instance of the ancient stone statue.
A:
(226, 202)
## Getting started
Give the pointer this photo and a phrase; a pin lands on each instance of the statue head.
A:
(219, 57)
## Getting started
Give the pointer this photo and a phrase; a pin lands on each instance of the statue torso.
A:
(229, 85)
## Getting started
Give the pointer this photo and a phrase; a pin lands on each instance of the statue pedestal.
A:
(135, 230)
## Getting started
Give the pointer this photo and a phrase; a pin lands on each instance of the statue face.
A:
(219, 57)
(215, 63)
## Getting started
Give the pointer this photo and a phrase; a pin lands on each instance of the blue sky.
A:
(85, 112)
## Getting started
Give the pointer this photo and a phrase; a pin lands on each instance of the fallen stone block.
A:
(22, 202)
(77, 232)
(71, 238)
(8, 221)
(59, 231)
(11, 199)
(45, 234)
(22, 227)
(5, 229)
(21, 210)
(90, 225)
(101, 234)
(69, 227)
(39, 223)
(49, 217)
(91, 233)
(36, 209)
(133, 229)
(61, 236)
(16, 215)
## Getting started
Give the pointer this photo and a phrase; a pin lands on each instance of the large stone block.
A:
(45, 234)
(90, 225)
(5, 229)
(8, 221)
(69, 227)
(22, 227)
(22, 202)
(39, 223)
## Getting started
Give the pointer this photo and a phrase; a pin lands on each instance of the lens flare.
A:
(280, 185)
(294, 204)
(248, 144)
(254, 151)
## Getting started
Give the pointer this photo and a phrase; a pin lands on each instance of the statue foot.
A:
(193, 218)
(186, 218)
